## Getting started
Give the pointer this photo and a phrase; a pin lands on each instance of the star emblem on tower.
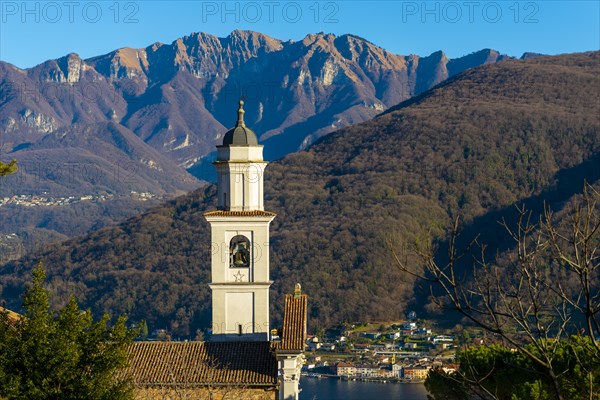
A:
(239, 276)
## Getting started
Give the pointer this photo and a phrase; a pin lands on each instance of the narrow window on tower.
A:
(240, 329)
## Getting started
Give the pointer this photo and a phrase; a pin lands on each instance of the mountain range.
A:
(133, 120)
(487, 139)
(180, 98)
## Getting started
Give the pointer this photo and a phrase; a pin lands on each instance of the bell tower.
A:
(240, 239)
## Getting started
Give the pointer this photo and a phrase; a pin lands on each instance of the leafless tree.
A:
(535, 295)
(576, 249)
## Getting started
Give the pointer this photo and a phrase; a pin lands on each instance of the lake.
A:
(335, 389)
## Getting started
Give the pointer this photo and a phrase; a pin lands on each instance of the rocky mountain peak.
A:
(124, 63)
(67, 69)
(439, 56)
(176, 96)
(360, 50)
(319, 40)
(250, 44)
(528, 54)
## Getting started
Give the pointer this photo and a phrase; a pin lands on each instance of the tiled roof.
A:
(293, 335)
(226, 213)
(202, 363)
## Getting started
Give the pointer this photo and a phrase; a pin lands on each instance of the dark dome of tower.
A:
(241, 135)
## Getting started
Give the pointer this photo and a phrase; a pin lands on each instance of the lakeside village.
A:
(45, 200)
(398, 353)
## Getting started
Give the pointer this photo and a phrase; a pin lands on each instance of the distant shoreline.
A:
(361, 379)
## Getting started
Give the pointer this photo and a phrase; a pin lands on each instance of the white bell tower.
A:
(240, 239)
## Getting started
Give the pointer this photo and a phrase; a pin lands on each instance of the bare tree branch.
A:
(531, 296)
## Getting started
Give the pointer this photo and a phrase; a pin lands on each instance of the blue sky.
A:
(34, 31)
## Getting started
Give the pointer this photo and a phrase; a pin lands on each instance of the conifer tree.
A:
(67, 356)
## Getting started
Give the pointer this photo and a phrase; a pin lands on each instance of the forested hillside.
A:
(505, 133)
